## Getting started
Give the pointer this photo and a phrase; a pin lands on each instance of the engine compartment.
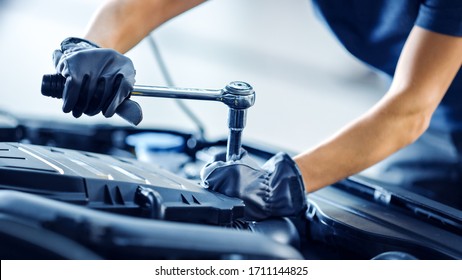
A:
(98, 191)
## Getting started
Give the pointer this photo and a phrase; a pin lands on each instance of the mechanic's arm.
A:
(121, 24)
(99, 77)
(426, 68)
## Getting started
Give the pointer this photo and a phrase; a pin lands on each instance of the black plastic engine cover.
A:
(113, 184)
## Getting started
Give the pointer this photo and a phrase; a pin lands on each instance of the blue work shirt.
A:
(375, 32)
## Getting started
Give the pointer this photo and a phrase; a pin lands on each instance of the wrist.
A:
(73, 42)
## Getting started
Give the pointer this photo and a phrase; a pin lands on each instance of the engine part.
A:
(112, 184)
(93, 234)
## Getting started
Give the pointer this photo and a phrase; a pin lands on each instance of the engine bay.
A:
(113, 192)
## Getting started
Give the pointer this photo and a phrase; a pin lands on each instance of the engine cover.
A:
(113, 184)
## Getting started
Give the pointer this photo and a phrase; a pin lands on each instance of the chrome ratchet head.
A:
(239, 96)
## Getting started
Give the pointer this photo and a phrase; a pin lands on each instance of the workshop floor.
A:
(307, 86)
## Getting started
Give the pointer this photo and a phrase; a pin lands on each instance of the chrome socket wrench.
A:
(238, 96)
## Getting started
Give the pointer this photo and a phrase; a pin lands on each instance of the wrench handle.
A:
(53, 86)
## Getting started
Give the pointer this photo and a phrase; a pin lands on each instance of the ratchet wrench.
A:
(238, 96)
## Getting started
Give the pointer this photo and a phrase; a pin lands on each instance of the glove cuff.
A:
(73, 42)
(288, 190)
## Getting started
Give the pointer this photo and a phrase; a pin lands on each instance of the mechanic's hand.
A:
(274, 190)
(97, 80)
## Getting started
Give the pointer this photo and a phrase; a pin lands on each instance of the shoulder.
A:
(442, 16)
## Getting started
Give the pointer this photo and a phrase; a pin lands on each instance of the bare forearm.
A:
(121, 24)
(427, 65)
(363, 143)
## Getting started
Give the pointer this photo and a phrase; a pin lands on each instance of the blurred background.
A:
(307, 85)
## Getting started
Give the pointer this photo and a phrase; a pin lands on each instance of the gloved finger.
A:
(114, 81)
(239, 180)
(246, 159)
(130, 111)
(97, 99)
(84, 96)
(122, 91)
(221, 156)
(239, 172)
(71, 93)
(57, 54)
(209, 168)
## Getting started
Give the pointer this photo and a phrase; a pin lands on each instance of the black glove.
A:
(97, 80)
(274, 190)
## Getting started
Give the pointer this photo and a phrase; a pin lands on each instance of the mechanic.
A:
(414, 131)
